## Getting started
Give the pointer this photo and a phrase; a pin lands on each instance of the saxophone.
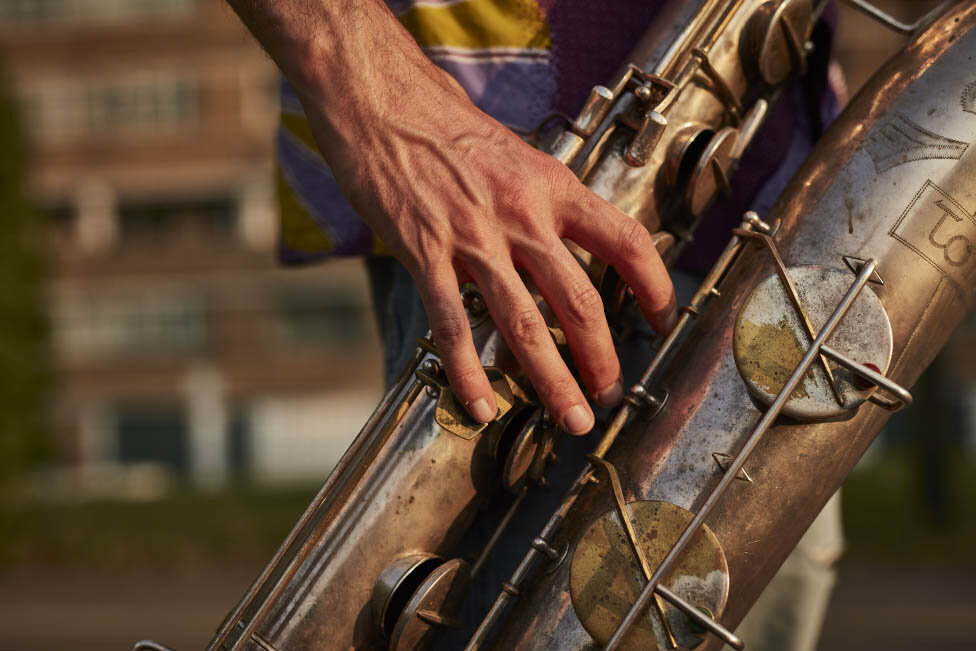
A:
(657, 543)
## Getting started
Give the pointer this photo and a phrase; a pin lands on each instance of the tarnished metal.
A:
(769, 341)
(434, 603)
(636, 546)
(893, 23)
(403, 575)
(636, 402)
(593, 112)
(700, 88)
(711, 174)
(522, 452)
(454, 418)
(887, 197)
(150, 645)
(777, 37)
(755, 437)
(794, 297)
(605, 577)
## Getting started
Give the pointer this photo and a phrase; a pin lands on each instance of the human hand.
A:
(456, 196)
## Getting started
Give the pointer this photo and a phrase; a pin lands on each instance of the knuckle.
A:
(559, 386)
(533, 247)
(560, 181)
(481, 257)
(528, 328)
(633, 240)
(449, 331)
(512, 195)
(600, 371)
(467, 377)
(663, 304)
(584, 306)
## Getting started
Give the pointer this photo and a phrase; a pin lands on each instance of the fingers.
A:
(452, 335)
(625, 244)
(579, 308)
(518, 318)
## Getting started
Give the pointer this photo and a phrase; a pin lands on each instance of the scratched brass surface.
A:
(768, 341)
(605, 577)
(893, 179)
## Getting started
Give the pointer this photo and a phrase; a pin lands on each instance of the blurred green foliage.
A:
(915, 499)
(24, 350)
(886, 517)
(242, 525)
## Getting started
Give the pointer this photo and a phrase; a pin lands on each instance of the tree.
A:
(24, 349)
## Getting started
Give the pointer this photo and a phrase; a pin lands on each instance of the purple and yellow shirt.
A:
(518, 60)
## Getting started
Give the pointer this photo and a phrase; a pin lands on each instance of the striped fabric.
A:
(507, 55)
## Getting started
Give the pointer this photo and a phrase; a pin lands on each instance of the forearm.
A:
(349, 59)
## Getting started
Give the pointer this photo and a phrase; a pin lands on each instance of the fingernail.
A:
(578, 420)
(481, 411)
(611, 396)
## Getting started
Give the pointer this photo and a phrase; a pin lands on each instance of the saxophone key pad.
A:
(606, 578)
(770, 340)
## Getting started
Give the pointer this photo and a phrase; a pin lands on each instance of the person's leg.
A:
(789, 614)
(399, 313)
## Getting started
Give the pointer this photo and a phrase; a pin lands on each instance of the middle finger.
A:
(517, 316)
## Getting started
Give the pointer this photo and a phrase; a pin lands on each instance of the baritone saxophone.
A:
(783, 368)
(371, 564)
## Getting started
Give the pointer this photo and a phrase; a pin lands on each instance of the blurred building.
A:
(177, 340)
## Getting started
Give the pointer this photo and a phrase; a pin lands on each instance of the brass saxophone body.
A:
(721, 482)
(371, 563)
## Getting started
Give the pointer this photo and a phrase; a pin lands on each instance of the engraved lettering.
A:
(968, 99)
(942, 232)
(945, 246)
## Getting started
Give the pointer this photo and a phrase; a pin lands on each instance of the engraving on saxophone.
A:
(968, 99)
(942, 232)
(901, 141)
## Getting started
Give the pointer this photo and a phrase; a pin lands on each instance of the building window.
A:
(44, 13)
(154, 223)
(239, 442)
(149, 324)
(322, 318)
(98, 108)
(152, 433)
(144, 105)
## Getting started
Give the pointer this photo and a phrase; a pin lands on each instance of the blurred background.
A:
(171, 398)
